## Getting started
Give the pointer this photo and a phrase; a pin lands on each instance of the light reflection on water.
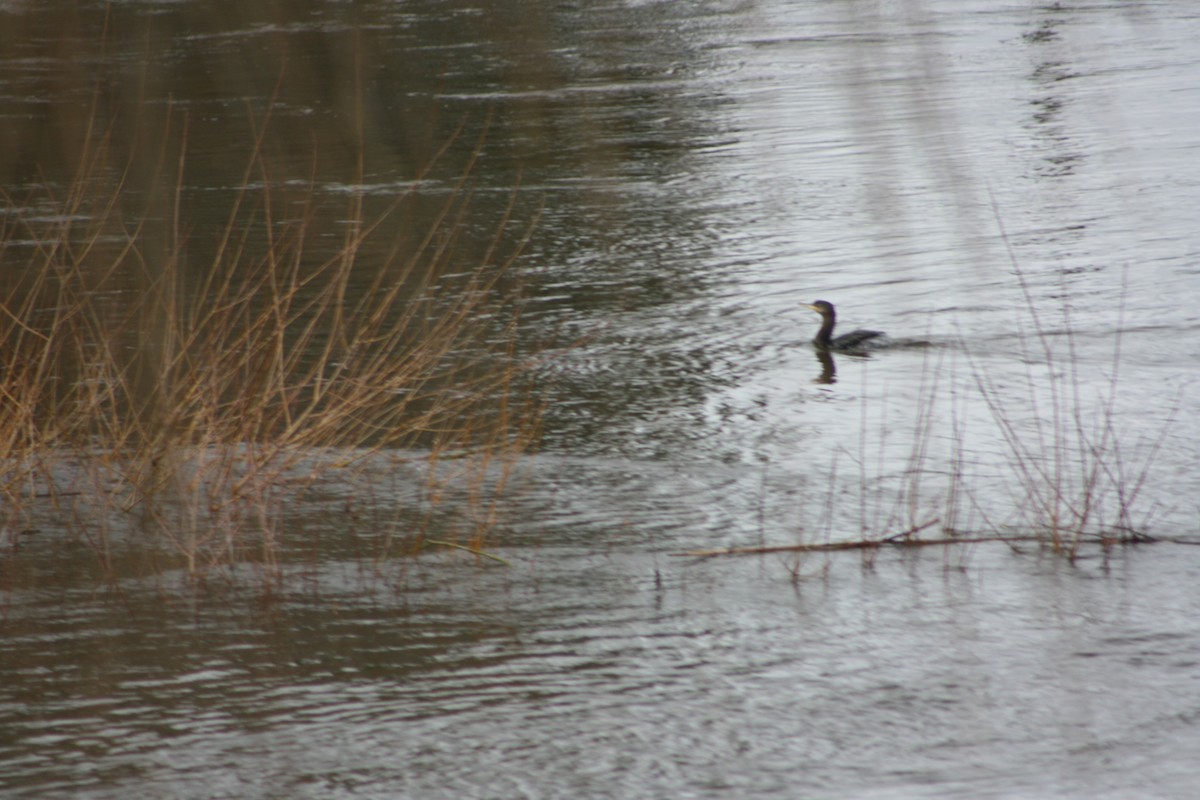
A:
(706, 170)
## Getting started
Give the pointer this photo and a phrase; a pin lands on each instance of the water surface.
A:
(968, 175)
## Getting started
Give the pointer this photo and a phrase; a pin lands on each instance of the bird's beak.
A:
(813, 308)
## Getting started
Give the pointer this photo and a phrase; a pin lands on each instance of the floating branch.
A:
(902, 539)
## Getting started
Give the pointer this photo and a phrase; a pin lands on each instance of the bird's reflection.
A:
(828, 367)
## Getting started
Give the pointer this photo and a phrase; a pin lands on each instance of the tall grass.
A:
(185, 402)
(1078, 477)
(1075, 475)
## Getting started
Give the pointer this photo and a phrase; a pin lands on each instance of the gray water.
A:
(698, 172)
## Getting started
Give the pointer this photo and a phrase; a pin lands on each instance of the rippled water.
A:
(579, 672)
(702, 171)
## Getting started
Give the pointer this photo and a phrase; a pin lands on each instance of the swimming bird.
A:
(855, 340)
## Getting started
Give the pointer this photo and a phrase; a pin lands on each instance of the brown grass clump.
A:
(184, 402)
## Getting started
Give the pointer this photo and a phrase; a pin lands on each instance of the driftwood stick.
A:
(902, 539)
(908, 534)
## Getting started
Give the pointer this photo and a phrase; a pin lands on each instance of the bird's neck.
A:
(825, 335)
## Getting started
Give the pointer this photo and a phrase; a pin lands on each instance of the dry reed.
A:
(188, 404)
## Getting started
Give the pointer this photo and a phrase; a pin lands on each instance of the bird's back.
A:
(856, 340)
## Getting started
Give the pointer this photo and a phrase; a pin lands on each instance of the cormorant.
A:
(825, 340)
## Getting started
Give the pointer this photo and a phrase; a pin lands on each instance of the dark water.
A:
(963, 174)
